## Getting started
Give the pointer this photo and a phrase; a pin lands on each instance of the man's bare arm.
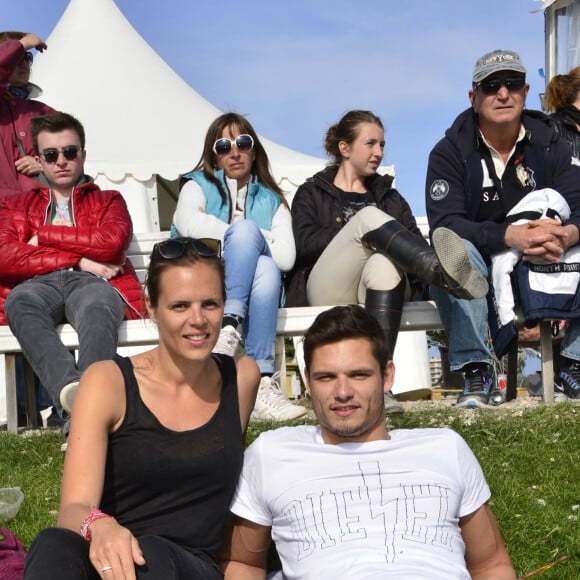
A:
(485, 552)
(245, 550)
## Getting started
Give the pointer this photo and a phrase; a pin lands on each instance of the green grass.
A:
(531, 460)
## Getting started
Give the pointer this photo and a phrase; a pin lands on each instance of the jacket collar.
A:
(540, 129)
(377, 184)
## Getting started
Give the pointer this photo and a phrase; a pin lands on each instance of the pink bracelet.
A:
(92, 516)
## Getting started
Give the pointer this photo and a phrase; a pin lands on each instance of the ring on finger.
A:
(106, 568)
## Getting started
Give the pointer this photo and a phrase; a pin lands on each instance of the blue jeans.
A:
(90, 304)
(465, 322)
(253, 284)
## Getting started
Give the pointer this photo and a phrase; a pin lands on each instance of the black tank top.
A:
(177, 485)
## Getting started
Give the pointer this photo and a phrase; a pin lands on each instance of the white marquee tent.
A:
(143, 122)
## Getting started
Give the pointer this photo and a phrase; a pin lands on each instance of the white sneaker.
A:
(228, 341)
(67, 395)
(272, 404)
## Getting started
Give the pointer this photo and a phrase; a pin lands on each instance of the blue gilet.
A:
(260, 207)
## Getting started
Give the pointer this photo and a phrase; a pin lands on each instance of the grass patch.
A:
(531, 460)
(33, 463)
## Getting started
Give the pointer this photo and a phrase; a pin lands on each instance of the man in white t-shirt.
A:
(348, 499)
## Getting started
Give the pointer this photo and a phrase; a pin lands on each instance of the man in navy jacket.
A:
(493, 155)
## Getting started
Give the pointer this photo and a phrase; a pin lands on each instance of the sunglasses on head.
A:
(28, 57)
(175, 248)
(492, 86)
(223, 146)
(69, 152)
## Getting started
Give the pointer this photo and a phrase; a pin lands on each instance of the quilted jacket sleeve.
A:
(19, 216)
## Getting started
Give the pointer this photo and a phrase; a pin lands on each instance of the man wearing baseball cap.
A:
(493, 156)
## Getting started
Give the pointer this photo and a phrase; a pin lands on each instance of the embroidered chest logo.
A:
(525, 175)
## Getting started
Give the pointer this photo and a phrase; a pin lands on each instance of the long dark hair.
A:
(260, 165)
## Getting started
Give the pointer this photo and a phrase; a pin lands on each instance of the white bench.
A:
(291, 322)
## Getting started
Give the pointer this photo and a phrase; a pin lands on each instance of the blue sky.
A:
(295, 67)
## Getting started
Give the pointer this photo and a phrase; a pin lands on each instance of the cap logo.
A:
(499, 58)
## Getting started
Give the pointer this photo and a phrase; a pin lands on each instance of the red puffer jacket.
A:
(102, 233)
(15, 116)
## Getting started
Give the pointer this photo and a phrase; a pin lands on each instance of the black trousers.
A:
(61, 554)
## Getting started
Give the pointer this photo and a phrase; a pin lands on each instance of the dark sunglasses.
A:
(223, 146)
(69, 152)
(28, 57)
(175, 248)
(492, 86)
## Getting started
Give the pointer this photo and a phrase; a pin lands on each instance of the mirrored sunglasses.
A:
(492, 86)
(69, 152)
(177, 247)
(243, 143)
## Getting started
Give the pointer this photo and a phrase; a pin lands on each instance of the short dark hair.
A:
(55, 123)
(158, 264)
(344, 322)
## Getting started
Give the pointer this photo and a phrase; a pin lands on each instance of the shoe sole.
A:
(470, 402)
(453, 257)
(66, 396)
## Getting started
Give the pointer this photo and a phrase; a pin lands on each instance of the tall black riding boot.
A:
(387, 306)
(446, 264)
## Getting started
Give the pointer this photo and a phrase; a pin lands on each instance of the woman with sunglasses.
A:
(358, 242)
(156, 441)
(563, 99)
(18, 164)
(232, 196)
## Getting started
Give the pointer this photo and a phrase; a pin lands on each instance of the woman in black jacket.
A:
(563, 97)
(356, 237)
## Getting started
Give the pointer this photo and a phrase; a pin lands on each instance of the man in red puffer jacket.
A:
(63, 252)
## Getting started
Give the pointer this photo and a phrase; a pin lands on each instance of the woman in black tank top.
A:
(156, 441)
